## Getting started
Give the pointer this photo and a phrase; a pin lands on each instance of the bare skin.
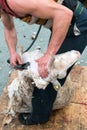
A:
(47, 9)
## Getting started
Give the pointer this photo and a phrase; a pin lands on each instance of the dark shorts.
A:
(73, 42)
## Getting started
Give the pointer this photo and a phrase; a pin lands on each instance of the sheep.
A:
(21, 89)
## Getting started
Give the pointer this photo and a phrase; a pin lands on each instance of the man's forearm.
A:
(11, 39)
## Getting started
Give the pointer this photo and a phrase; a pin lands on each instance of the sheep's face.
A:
(65, 60)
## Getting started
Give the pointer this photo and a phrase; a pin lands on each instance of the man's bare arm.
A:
(10, 36)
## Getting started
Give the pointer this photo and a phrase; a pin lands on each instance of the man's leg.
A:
(73, 42)
(42, 103)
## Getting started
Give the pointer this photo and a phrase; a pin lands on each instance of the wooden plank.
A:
(71, 117)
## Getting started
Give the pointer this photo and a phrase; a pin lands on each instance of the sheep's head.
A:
(62, 62)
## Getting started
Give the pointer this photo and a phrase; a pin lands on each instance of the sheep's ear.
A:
(62, 74)
(50, 62)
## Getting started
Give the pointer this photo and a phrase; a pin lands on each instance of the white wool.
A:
(31, 56)
(33, 70)
(13, 87)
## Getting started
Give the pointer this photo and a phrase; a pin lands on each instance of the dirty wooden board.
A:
(72, 117)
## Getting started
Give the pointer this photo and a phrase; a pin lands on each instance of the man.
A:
(68, 23)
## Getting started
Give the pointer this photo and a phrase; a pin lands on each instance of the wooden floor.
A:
(72, 117)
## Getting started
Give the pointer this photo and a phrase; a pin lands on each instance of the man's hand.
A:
(15, 59)
(43, 64)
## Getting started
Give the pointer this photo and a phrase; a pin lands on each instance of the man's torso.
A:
(31, 19)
